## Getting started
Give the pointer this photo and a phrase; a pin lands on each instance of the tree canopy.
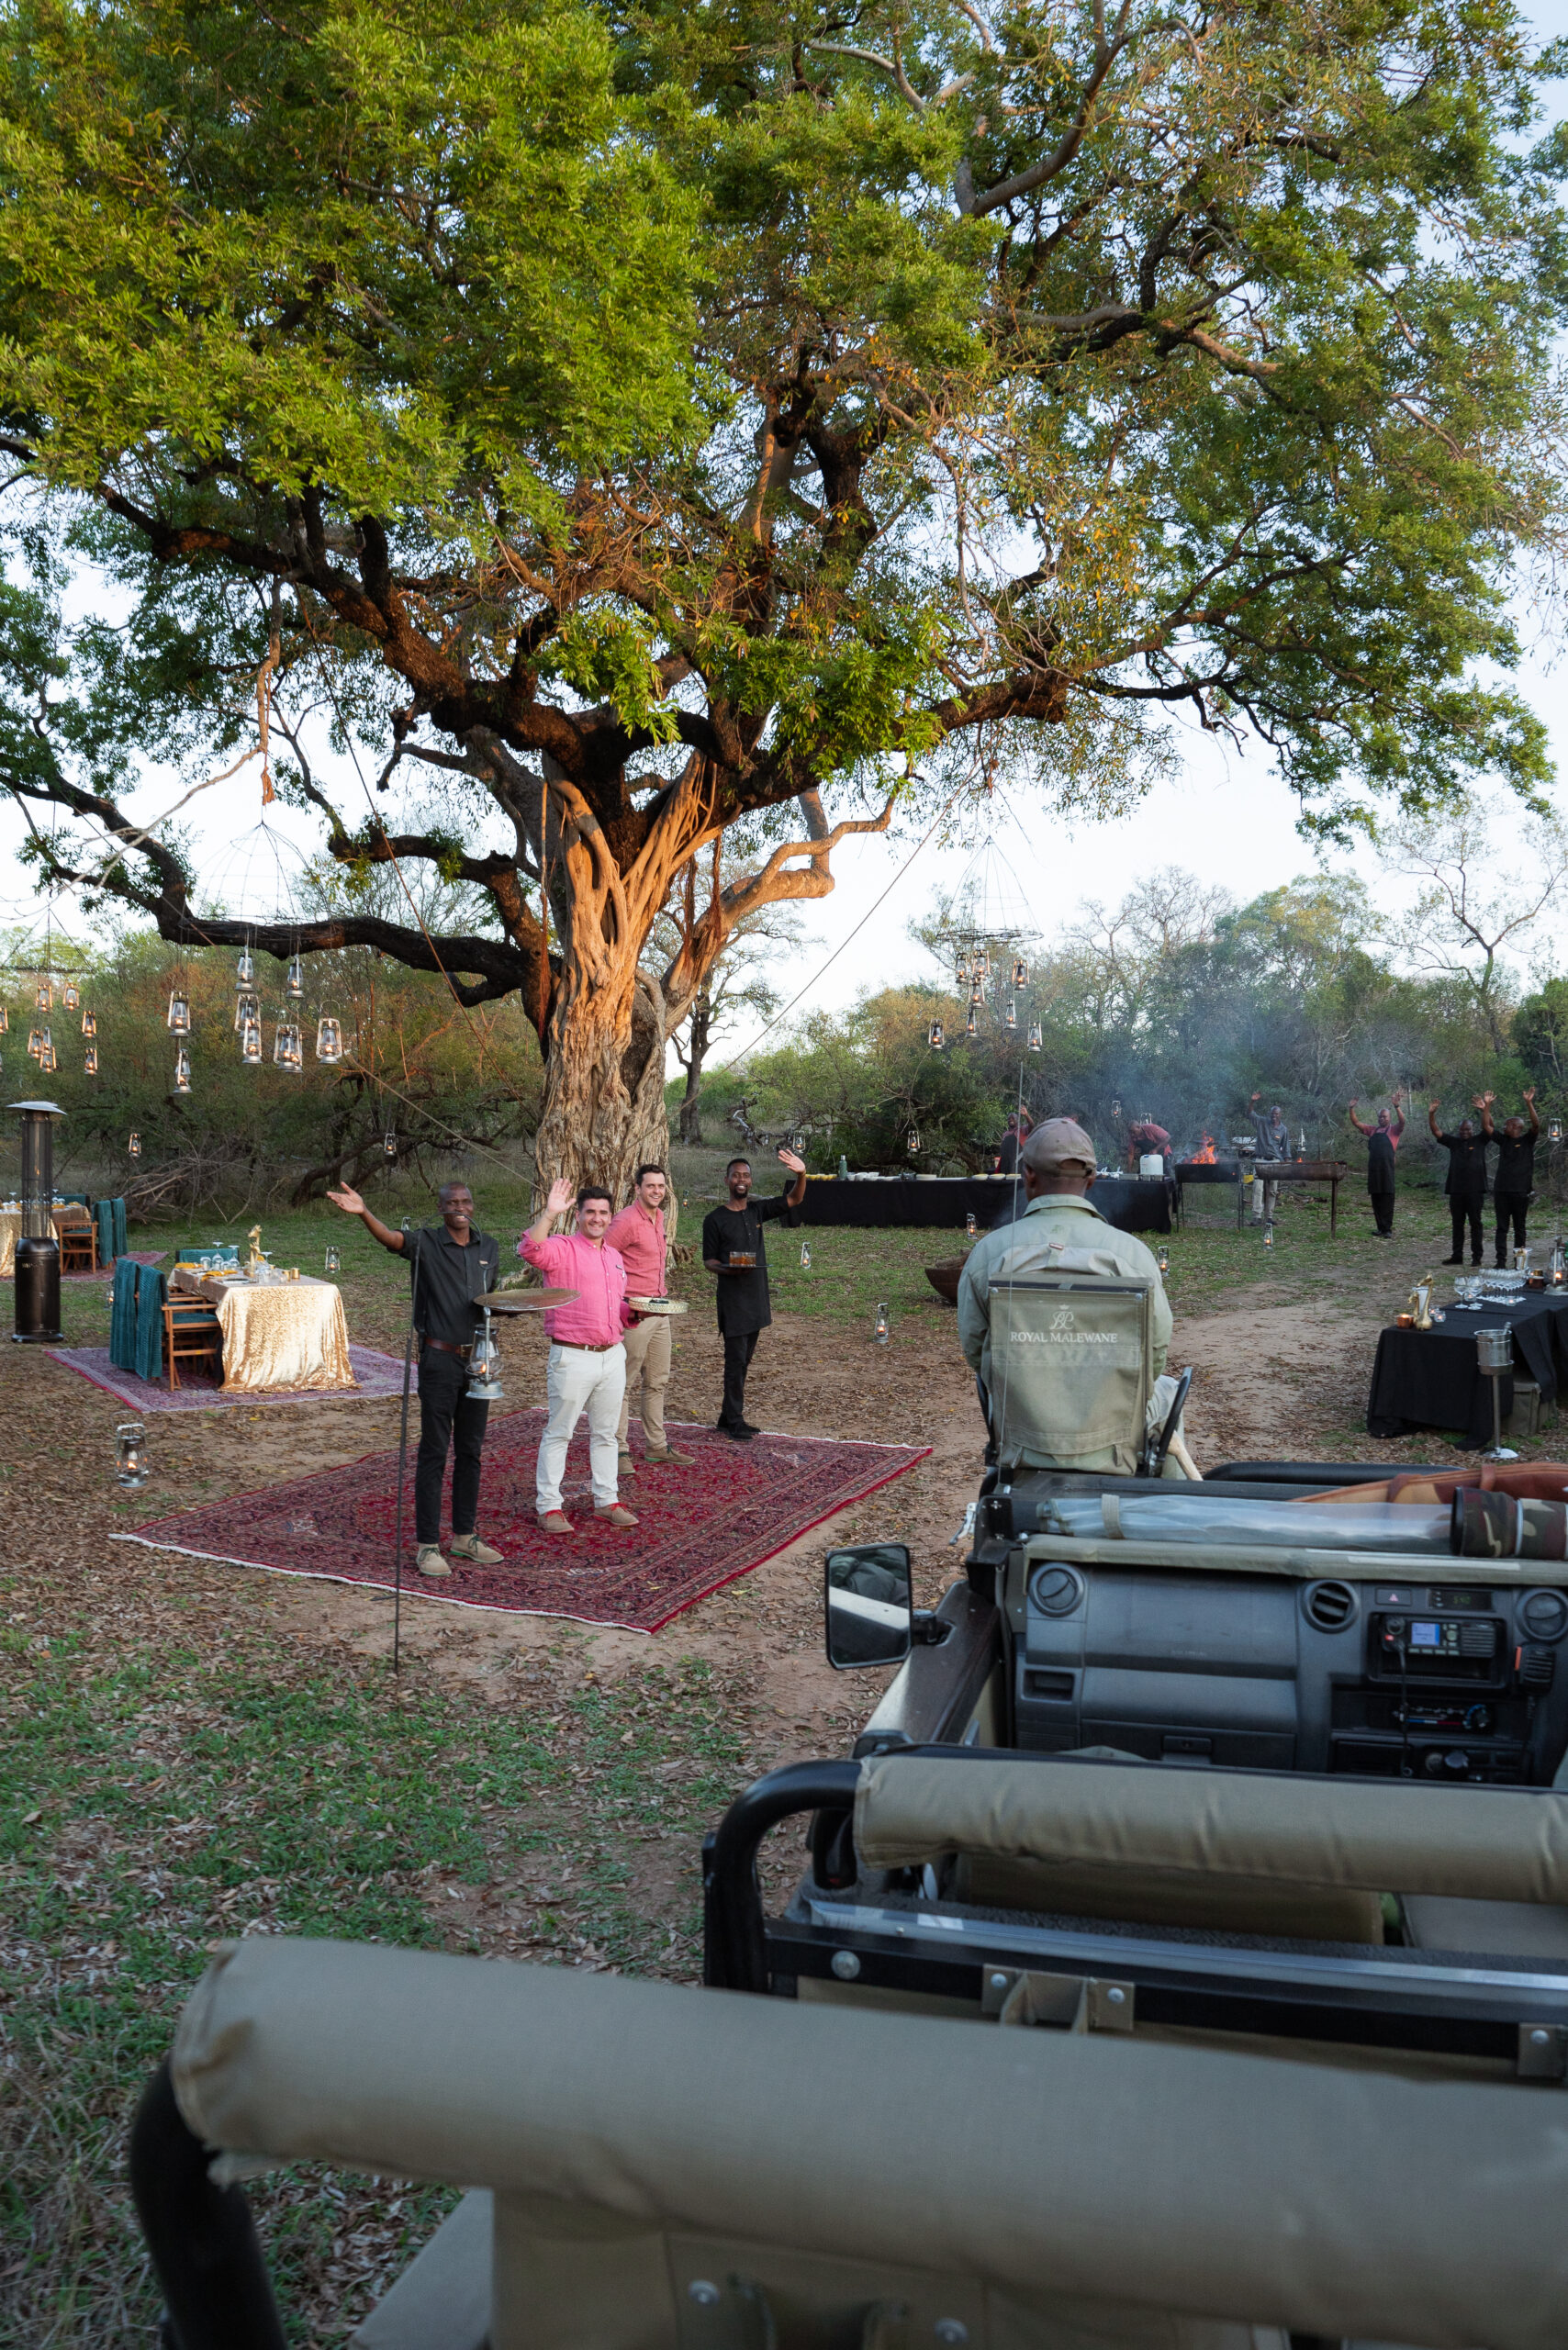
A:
(654, 418)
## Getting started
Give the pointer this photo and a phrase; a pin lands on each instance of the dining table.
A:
(278, 1334)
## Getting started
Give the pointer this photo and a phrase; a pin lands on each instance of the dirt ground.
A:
(1278, 1374)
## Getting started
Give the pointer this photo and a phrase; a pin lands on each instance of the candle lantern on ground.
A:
(880, 1331)
(334, 1262)
(130, 1453)
(805, 1256)
(970, 1226)
(37, 1250)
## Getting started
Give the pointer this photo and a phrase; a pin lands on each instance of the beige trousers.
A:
(647, 1358)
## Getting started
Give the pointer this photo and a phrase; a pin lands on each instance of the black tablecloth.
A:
(1428, 1379)
(1132, 1203)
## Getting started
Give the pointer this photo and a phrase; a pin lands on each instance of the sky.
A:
(1224, 815)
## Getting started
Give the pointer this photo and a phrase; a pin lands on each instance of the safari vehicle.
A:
(1266, 1761)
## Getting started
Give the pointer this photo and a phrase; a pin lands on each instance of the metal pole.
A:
(403, 1454)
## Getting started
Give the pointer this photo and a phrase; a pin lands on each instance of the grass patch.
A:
(151, 1806)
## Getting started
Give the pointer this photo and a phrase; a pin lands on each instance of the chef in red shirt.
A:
(638, 1233)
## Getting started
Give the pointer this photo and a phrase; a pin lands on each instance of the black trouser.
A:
(1464, 1207)
(739, 1348)
(447, 1417)
(1383, 1209)
(1511, 1205)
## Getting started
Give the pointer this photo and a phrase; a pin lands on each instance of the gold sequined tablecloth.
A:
(10, 1233)
(289, 1334)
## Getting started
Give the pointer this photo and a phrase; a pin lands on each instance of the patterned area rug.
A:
(698, 1528)
(377, 1375)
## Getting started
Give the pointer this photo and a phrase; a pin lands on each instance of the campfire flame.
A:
(1205, 1158)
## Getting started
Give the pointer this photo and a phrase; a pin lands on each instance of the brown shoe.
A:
(670, 1459)
(477, 1553)
(555, 1521)
(430, 1563)
(615, 1515)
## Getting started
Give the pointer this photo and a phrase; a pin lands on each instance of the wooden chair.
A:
(77, 1234)
(192, 1332)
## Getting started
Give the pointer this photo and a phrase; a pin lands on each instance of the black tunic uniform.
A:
(1466, 1188)
(742, 1300)
(448, 1282)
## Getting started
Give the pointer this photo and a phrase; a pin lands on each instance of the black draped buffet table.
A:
(1132, 1203)
(1429, 1379)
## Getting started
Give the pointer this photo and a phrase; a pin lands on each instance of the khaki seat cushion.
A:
(1156, 1898)
(1489, 1929)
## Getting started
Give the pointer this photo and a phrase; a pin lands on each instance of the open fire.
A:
(1205, 1158)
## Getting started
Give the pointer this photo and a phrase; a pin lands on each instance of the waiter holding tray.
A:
(453, 1267)
(732, 1248)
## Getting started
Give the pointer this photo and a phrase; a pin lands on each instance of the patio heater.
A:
(37, 1250)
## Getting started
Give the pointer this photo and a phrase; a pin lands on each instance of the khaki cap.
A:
(1060, 1142)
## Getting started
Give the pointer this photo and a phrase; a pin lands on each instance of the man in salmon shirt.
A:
(586, 1369)
(638, 1232)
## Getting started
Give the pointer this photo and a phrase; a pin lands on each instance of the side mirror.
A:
(870, 1606)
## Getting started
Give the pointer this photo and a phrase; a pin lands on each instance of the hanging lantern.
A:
(251, 1044)
(982, 962)
(935, 1036)
(90, 1061)
(45, 996)
(1020, 972)
(1554, 1132)
(880, 1328)
(328, 1040)
(1036, 1039)
(1010, 1022)
(294, 983)
(89, 1023)
(287, 1054)
(245, 970)
(970, 1026)
(961, 973)
(48, 1063)
(133, 1148)
(389, 1145)
(71, 996)
(35, 1043)
(977, 993)
(914, 1139)
(5, 1022)
(182, 1070)
(179, 1013)
(247, 1008)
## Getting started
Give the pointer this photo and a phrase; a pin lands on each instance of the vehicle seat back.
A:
(675, 2169)
(1071, 1357)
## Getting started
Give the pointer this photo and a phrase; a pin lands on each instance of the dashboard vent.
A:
(1330, 1606)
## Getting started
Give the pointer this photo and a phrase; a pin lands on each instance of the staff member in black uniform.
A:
(744, 1309)
(451, 1266)
(1383, 1141)
(1466, 1185)
(1515, 1179)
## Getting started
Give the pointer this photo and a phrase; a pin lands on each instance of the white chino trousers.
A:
(576, 1382)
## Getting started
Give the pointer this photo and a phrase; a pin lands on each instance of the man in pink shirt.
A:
(587, 1369)
(638, 1232)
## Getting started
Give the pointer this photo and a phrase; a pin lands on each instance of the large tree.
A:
(658, 419)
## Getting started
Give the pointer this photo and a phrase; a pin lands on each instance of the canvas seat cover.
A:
(1072, 1355)
(848, 2181)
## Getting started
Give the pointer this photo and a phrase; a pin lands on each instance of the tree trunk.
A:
(603, 1109)
(697, 1053)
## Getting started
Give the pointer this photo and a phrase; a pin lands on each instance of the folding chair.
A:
(77, 1234)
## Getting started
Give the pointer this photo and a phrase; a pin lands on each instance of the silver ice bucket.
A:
(1494, 1349)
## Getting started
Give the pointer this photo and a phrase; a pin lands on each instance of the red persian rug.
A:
(698, 1528)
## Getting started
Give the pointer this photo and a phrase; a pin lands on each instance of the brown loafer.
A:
(555, 1521)
(618, 1515)
(671, 1459)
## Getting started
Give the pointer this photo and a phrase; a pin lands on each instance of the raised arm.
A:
(559, 1199)
(797, 1191)
(1357, 1123)
(1397, 1128)
(352, 1204)
(1534, 1114)
(1432, 1108)
(1484, 1103)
